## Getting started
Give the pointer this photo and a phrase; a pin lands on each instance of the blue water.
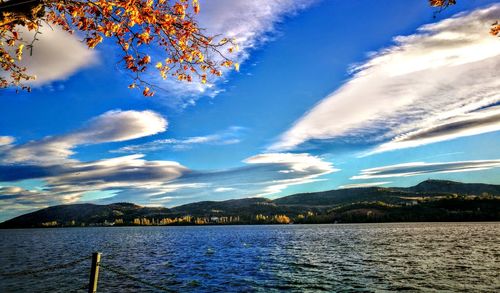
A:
(439, 257)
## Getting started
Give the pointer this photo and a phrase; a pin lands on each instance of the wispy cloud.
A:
(14, 192)
(446, 74)
(293, 169)
(14, 200)
(362, 185)
(474, 123)
(420, 168)
(293, 162)
(134, 178)
(224, 189)
(6, 140)
(250, 23)
(111, 126)
(232, 135)
(263, 175)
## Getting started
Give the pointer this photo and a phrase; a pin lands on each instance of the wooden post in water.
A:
(94, 272)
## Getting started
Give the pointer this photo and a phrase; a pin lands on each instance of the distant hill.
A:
(445, 186)
(83, 213)
(428, 188)
(431, 200)
(343, 196)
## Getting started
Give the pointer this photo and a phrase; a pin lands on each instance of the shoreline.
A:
(256, 224)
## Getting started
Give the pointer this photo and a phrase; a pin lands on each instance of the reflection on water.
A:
(366, 257)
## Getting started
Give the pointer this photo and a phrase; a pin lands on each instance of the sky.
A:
(330, 94)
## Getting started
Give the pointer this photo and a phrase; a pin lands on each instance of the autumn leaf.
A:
(495, 28)
(19, 51)
(152, 25)
(147, 92)
(442, 3)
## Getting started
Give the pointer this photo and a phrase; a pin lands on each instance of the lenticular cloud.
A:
(445, 73)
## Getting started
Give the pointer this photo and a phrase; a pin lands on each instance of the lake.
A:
(301, 258)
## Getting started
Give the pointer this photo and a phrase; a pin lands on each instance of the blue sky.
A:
(330, 94)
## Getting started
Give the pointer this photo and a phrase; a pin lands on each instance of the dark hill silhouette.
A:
(445, 186)
(430, 200)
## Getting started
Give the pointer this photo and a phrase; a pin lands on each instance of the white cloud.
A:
(246, 21)
(133, 178)
(15, 191)
(223, 189)
(229, 136)
(443, 72)
(56, 55)
(474, 123)
(420, 168)
(249, 22)
(6, 140)
(363, 185)
(263, 175)
(15, 200)
(121, 172)
(295, 169)
(293, 162)
(120, 126)
(69, 181)
(111, 126)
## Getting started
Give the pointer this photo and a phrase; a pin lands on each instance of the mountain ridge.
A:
(471, 201)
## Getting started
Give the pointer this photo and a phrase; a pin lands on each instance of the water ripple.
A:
(431, 257)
